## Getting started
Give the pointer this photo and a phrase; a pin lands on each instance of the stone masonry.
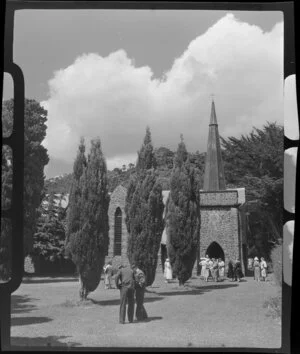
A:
(117, 200)
(220, 223)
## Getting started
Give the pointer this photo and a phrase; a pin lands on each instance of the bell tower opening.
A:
(215, 251)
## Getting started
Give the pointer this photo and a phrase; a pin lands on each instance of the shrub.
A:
(276, 258)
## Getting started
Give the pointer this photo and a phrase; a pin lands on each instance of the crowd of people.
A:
(212, 268)
(131, 281)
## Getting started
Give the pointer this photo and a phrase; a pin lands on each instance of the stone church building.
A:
(223, 221)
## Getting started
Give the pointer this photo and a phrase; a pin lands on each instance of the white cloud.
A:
(111, 98)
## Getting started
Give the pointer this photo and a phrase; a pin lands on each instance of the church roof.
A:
(214, 179)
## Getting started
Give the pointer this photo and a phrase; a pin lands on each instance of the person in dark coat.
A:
(230, 273)
(140, 286)
(125, 282)
(238, 274)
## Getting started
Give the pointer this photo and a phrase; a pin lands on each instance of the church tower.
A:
(214, 179)
(221, 233)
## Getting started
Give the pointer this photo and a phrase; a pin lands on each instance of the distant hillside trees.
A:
(255, 161)
(35, 159)
(88, 240)
(144, 208)
(183, 216)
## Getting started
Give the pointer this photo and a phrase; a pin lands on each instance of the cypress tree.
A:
(89, 245)
(183, 216)
(74, 209)
(144, 208)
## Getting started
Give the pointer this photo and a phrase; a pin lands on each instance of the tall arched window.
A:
(118, 233)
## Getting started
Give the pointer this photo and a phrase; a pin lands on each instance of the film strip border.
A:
(15, 141)
(291, 127)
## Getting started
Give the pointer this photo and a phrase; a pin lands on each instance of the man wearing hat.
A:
(256, 267)
(125, 282)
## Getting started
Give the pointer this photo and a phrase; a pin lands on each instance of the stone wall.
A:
(117, 200)
(224, 198)
(220, 223)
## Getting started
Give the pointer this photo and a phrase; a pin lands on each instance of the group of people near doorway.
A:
(215, 268)
(259, 268)
(212, 267)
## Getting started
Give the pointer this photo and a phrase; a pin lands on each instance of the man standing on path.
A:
(125, 282)
(140, 286)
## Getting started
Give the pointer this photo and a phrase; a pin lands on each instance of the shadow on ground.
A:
(22, 304)
(116, 302)
(51, 341)
(195, 290)
(23, 321)
(30, 280)
(153, 318)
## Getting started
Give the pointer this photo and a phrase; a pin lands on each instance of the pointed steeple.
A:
(214, 179)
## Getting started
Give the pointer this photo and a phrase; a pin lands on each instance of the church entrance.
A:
(215, 251)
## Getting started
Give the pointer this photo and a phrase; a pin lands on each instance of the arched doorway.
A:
(118, 233)
(214, 250)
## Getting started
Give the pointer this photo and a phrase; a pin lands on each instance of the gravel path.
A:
(200, 315)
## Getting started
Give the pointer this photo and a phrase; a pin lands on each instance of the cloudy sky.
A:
(110, 73)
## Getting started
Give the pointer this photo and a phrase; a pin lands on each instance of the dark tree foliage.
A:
(35, 159)
(50, 236)
(89, 244)
(183, 216)
(144, 208)
(74, 207)
(256, 163)
(6, 190)
(146, 159)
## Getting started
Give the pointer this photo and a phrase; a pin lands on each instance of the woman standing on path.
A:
(107, 275)
(203, 267)
(256, 267)
(168, 271)
(263, 268)
(230, 274)
(215, 271)
(221, 267)
(206, 272)
(238, 274)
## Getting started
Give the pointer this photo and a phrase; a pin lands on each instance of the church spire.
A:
(214, 179)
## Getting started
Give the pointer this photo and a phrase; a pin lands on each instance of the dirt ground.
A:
(46, 312)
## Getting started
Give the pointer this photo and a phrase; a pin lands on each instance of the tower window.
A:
(118, 233)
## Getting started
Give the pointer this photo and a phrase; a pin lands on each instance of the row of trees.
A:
(254, 161)
(87, 220)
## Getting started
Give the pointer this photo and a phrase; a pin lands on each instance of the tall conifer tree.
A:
(89, 245)
(183, 216)
(144, 208)
(74, 208)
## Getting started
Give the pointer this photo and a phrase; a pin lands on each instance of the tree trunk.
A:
(181, 283)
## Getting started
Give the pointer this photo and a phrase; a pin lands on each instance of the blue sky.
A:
(109, 73)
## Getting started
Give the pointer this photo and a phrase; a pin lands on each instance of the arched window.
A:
(118, 233)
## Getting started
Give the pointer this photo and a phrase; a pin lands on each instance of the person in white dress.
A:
(221, 266)
(168, 271)
(203, 267)
(263, 268)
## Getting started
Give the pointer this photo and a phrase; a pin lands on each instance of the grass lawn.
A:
(46, 312)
